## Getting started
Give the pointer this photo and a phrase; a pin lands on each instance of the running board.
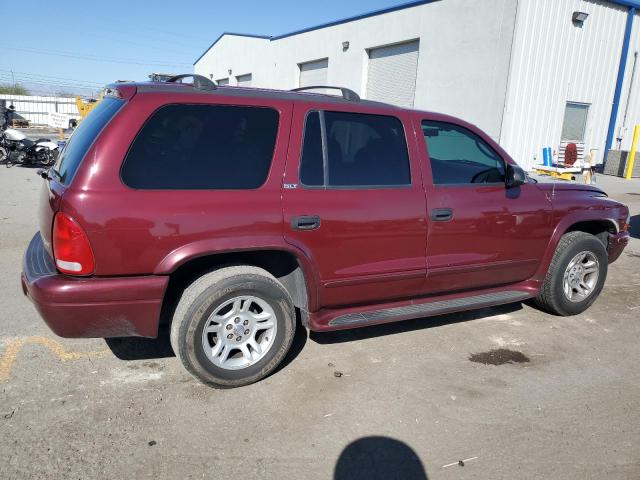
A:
(429, 309)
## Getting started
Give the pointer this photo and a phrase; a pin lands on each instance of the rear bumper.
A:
(91, 307)
(616, 245)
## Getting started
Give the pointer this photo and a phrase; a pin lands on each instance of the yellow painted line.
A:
(12, 350)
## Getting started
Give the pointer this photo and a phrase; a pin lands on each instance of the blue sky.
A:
(78, 46)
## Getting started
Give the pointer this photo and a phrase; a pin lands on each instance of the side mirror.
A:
(515, 176)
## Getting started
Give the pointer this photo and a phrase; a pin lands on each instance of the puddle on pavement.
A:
(499, 357)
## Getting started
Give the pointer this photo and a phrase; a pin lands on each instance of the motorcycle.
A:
(16, 148)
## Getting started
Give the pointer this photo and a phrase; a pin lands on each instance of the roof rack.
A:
(347, 94)
(199, 82)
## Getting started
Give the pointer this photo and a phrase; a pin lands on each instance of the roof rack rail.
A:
(347, 94)
(199, 82)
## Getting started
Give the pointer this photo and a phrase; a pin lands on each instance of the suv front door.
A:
(481, 234)
(354, 203)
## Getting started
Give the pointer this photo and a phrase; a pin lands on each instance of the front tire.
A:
(576, 275)
(233, 327)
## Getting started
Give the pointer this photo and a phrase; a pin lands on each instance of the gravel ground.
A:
(559, 399)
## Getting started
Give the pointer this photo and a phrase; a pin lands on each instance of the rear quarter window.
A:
(202, 147)
(83, 137)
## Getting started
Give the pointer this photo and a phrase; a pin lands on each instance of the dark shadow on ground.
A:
(356, 334)
(384, 458)
(10, 164)
(634, 230)
(137, 348)
(299, 341)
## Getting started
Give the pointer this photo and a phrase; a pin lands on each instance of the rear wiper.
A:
(44, 173)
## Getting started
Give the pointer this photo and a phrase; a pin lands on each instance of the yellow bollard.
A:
(632, 153)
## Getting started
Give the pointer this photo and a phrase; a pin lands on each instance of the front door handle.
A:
(441, 214)
(305, 222)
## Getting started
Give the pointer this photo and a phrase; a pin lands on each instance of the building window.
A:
(575, 122)
(244, 80)
(359, 151)
(222, 81)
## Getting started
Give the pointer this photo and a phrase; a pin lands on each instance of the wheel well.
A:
(282, 265)
(599, 228)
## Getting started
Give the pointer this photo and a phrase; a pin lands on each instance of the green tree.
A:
(16, 89)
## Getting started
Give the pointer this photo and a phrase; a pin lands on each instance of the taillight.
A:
(71, 248)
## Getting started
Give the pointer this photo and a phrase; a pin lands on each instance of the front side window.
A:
(342, 149)
(459, 156)
(201, 147)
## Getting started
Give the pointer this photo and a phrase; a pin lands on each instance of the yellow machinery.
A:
(85, 107)
(558, 172)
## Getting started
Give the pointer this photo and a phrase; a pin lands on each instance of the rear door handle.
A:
(441, 214)
(305, 222)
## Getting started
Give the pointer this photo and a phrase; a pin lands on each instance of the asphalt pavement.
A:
(507, 392)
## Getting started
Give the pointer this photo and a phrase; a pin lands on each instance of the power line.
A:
(131, 42)
(29, 74)
(139, 26)
(42, 81)
(95, 58)
(59, 84)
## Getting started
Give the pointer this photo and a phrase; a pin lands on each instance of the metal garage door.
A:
(244, 80)
(392, 73)
(314, 73)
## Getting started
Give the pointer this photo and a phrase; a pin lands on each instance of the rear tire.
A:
(233, 327)
(576, 275)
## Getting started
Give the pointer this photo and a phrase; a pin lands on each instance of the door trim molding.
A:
(375, 278)
(456, 269)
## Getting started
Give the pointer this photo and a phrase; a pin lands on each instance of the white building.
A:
(531, 73)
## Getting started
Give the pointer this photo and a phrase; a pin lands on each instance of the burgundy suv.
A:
(228, 212)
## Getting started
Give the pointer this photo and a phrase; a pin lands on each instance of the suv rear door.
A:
(353, 201)
(69, 160)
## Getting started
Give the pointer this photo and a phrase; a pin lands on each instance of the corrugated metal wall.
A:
(624, 128)
(554, 62)
(36, 109)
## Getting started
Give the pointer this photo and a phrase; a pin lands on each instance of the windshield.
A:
(82, 139)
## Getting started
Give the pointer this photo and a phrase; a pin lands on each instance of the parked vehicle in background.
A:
(229, 212)
(16, 148)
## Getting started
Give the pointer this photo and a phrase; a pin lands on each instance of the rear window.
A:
(82, 139)
(202, 147)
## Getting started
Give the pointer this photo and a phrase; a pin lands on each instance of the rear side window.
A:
(354, 150)
(82, 139)
(200, 147)
(459, 156)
